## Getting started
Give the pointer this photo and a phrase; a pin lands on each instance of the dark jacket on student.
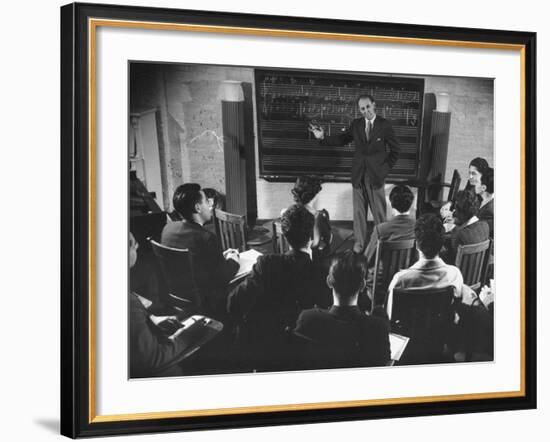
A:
(465, 234)
(212, 271)
(270, 299)
(400, 227)
(343, 336)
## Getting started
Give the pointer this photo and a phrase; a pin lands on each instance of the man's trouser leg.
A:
(363, 197)
(360, 207)
(376, 199)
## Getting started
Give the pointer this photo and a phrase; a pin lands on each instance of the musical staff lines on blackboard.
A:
(288, 101)
(345, 94)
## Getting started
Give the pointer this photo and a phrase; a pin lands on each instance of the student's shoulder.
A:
(269, 261)
(314, 314)
(403, 275)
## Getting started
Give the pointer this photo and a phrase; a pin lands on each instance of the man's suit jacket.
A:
(345, 336)
(373, 159)
(212, 271)
(272, 296)
(398, 228)
(151, 354)
(464, 235)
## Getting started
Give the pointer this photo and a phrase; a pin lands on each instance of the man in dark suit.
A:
(400, 227)
(151, 353)
(343, 335)
(269, 300)
(376, 152)
(212, 269)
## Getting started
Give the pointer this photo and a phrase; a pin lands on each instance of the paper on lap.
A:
(398, 343)
(246, 262)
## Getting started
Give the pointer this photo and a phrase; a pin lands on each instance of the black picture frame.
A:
(77, 249)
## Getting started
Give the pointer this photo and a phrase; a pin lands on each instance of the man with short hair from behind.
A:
(430, 271)
(400, 227)
(269, 300)
(345, 335)
(212, 269)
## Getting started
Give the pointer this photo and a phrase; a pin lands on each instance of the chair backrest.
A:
(455, 185)
(177, 269)
(391, 257)
(231, 229)
(473, 260)
(308, 353)
(280, 244)
(426, 317)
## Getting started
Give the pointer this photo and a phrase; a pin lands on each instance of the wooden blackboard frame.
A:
(381, 78)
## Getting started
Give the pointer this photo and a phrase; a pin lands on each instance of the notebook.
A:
(398, 343)
(246, 262)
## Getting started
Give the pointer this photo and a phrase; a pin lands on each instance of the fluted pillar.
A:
(441, 123)
(232, 98)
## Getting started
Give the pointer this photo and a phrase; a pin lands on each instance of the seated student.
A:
(430, 271)
(486, 191)
(400, 227)
(469, 229)
(475, 171)
(305, 192)
(278, 288)
(343, 335)
(151, 353)
(212, 268)
(216, 200)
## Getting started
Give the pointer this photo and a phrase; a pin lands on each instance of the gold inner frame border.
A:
(93, 24)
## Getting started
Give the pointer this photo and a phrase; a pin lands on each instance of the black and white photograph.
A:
(291, 219)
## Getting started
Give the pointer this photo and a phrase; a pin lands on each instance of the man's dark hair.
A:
(466, 205)
(401, 198)
(480, 164)
(363, 96)
(347, 274)
(487, 179)
(305, 189)
(186, 197)
(297, 225)
(428, 232)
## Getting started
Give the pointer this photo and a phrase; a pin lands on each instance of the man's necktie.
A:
(369, 129)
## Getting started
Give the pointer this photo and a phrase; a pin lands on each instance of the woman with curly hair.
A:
(476, 169)
(305, 191)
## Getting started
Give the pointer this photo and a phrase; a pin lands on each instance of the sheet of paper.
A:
(398, 343)
(246, 262)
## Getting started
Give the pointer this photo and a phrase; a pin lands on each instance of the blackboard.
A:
(288, 100)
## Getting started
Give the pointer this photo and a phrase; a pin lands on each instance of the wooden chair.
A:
(198, 330)
(177, 270)
(280, 244)
(391, 256)
(453, 186)
(473, 262)
(231, 229)
(426, 317)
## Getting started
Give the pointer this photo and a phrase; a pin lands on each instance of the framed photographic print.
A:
(274, 220)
